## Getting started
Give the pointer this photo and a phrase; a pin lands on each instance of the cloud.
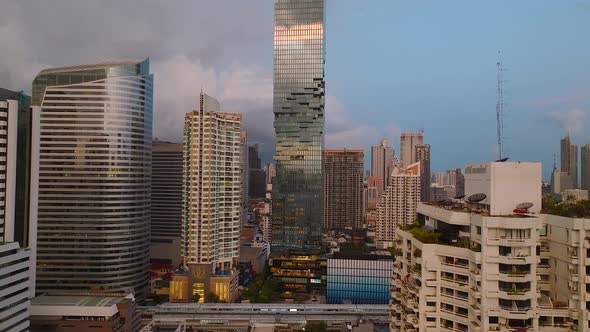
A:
(571, 121)
(560, 100)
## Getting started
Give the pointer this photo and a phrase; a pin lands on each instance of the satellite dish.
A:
(502, 160)
(524, 206)
(476, 198)
(460, 197)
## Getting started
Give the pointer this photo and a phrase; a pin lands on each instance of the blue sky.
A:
(432, 65)
(391, 66)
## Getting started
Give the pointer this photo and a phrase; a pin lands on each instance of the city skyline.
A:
(549, 94)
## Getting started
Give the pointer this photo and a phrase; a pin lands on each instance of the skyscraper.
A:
(343, 189)
(19, 166)
(569, 160)
(407, 147)
(397, 206)
(95, 177)
(212, 187)
(423, 157)
(585, 152)
(382, 163)
(256, 175)
(166, 202)
(459, 182)
(298, 106)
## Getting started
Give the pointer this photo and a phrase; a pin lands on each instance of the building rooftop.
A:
(95, 66)
(95, 306)
(456, 205)
(373, 255)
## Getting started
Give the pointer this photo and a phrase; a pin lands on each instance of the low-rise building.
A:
(359, 278)
(93, 312)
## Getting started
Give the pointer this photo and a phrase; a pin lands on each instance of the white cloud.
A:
(571, 121)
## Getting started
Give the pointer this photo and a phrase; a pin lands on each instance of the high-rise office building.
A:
(397, 206)
(382, 163)
(343, 189)
(585, 156)
(569, 160)
(212, 187)
(459, 182)
(407, 147)
(257, 176)
(423, 157)
(19, 165)
(95, 177)
(270, 172)
(166, 203)
(298, 106)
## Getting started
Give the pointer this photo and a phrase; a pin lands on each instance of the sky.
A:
(391, 66)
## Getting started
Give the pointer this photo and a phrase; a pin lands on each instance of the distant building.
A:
(382, 163)
(359, 278)
(459, 183)
(560, 181)
(439, 178)
(74, 313)
(343, 189)
(408, 143)
(166, 203)
(257, 175)
(574, 195)
(270, 171)
(373, 192)
(299, 271)
(569, 160)
(438, 193)
(254, 160)
(423, 157)
(397, 206)
(585, 152)
(95, 177)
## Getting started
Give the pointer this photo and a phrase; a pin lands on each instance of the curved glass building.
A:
(94, 177)
(298, 106)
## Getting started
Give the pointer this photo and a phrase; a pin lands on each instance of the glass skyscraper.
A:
(94, 177)
(298, 106)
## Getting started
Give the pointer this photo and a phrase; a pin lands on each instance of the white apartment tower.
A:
(19, 166)
(397, 205)
(492, 262)
(212, 186)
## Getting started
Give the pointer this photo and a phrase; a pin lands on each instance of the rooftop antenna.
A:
(500, 106)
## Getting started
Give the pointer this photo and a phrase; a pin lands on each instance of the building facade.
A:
(488, 265)
(343, 189)
(19, 166)
(585, 170)
(166, 203)
(298, 106)
(212, 186)
(423, 157)
(569, 160)
(397, 206)
(95, 177)
(358, 278)
(407, 147)
(382, 163)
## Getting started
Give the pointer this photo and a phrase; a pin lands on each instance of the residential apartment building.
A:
(423, 157)
(212, 186)
(397, 205)
(491, 262)
(382, 163)
(407, 147)
(343, 189)
(94, 177)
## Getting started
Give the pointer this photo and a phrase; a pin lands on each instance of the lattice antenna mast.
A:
(500, 107)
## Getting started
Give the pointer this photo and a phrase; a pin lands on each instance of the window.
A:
(493, 320)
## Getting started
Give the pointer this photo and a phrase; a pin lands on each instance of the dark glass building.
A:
(298, 106)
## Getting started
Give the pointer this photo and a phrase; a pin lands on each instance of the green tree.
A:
(212, 298)
(319, 326)
(196, 297)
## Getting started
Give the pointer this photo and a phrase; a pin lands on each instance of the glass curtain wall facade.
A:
(298, 106)
(94, 177)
